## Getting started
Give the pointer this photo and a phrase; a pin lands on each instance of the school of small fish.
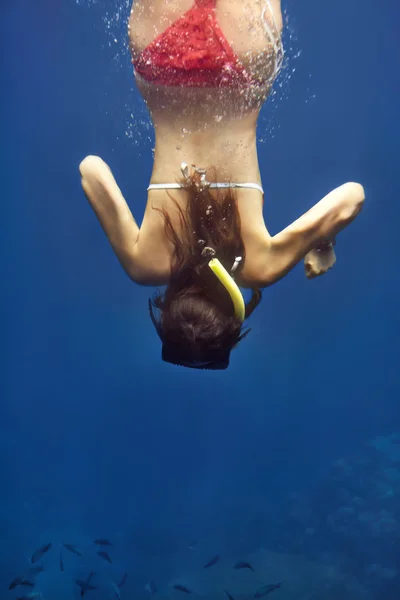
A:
(28, 580)
(87, 585)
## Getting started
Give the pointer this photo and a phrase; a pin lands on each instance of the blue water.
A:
(98, 437)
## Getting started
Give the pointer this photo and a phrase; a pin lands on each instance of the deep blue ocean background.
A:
(290, 460)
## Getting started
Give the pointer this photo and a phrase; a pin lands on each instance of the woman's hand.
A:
(319, 261)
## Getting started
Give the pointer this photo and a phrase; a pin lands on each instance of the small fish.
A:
(212, 562)
(116, 591)
(123, 580)
(36, 570)
(229, 595)
(61, 562)
(181, 588)
(267, 589)
(102, 542)
(85, 585)
(151, 588)
(241, 564)
(37, 555)
(72, 549)
(105, 556)
(16, 581)
(27, 583)
(193, 545)
(31, 596)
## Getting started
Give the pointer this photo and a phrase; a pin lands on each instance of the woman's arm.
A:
(320, 224)
(112, 211)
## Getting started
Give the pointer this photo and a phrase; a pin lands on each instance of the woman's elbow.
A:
(353, 200)
(90, 165)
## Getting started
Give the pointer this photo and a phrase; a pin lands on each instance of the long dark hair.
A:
(197, 324)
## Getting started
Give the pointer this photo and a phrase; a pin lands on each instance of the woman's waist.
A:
(225, 160)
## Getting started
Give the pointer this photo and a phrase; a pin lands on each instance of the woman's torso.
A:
(206, 126)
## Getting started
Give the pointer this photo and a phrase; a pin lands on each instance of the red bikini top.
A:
(193, 52)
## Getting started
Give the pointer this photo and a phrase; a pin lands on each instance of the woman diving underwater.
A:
(205, 69)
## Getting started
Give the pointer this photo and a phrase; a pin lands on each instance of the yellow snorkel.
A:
(230, 286)
(217, 268)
